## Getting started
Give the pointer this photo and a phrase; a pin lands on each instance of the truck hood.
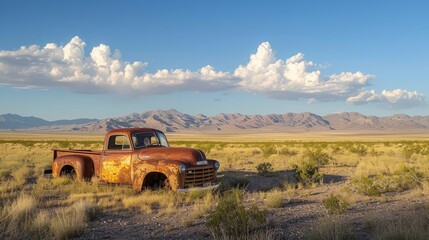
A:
(188, 155)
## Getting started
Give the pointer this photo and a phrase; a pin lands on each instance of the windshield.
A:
(162, 139)
(149, 139)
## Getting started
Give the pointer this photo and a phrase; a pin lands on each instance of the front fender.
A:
(169, 168)
(83, 166)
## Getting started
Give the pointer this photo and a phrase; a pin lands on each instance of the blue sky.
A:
(97, 59)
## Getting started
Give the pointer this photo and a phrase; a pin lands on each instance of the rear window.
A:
(119, 142)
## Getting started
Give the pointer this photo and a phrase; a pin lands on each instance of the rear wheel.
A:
(68, 171)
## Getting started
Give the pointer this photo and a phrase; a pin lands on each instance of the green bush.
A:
(286, 151)
(318, 156)
(360, 150)
(269, 150)
(231, 219)
(401, 180)
(264, 168)
(335, 204)
(366, 186)
(415, 148)
(307, 173)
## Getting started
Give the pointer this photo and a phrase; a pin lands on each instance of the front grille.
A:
(198, 176)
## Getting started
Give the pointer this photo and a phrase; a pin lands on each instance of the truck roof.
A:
(131, 131)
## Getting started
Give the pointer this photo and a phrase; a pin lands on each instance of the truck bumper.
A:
(211, 187)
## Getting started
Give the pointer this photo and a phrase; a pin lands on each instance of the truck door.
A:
(116, 160)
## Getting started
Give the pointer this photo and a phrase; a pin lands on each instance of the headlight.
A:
(216, 165)
(182, 168)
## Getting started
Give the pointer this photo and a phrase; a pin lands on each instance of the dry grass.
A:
(382, 164)
(331, 229)
(150, 201)
(70, 222)
(275, 198)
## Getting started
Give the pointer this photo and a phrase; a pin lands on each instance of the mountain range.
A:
(174, 121)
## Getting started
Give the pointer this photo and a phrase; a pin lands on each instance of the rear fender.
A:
(83, 166)
(169, 168)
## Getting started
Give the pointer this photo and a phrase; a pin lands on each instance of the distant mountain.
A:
(14, 121)
(174, 121)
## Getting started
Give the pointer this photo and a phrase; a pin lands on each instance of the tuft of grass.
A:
(71, 222)
(335, 204)
(149, 201)
(199, 207)
(274, 198)
(330, 229)
(16, 217)
(415, 226)
(60, 181)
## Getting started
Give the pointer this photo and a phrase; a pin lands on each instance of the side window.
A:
(118, 142)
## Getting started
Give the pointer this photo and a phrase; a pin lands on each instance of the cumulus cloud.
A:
(101, 71)
(295, 77)
(395, 98)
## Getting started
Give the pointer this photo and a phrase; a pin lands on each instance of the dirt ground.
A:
(290, 221)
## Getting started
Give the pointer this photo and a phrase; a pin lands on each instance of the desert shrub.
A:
(205, 147)
(415, 148)
(366, 186)
(269, 150)
(307, 172)
(336, 149)
(256, 152)
(318, 156)
(399, 180)
(5, 174)
(335, 204)
(231, 219)
(328, 229)
(264, 168)
(375, 153)
(288, 152)
(360, 150)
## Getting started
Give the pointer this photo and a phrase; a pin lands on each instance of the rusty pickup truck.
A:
(141, 157)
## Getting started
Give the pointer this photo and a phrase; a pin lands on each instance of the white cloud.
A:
(295, 77)
(68, 66)
(396, 98)
(100, 70)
